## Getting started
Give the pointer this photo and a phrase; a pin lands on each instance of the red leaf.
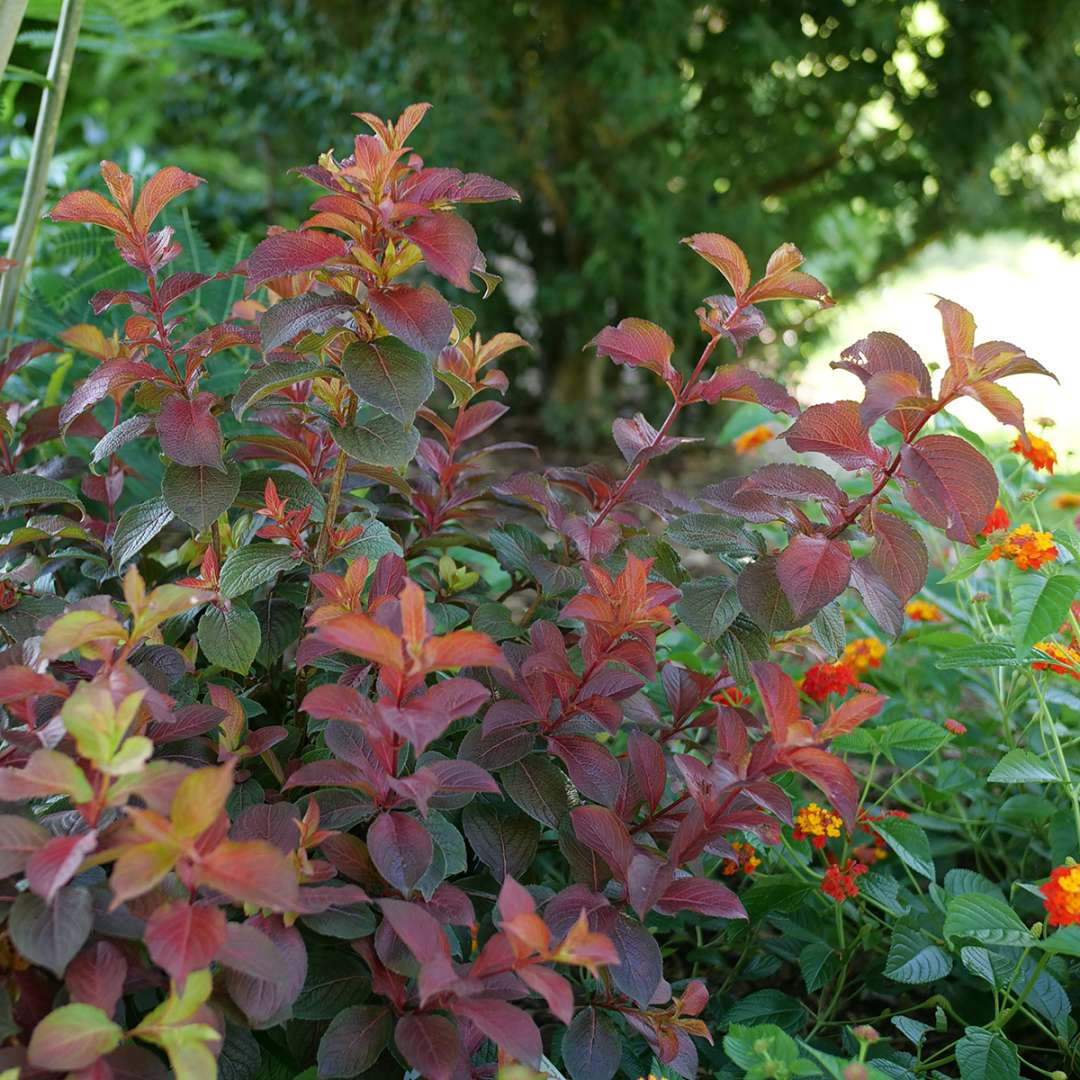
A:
(451, 185)
(850, 714)
(881, 352)
(401, 849)
(593, 769)
(878, 595)
(508, 1027)
(893, 390)
(448, 244)
(763, 597)
(419, 317)
(1001, 403)
(812, 570)
(251, 872)
(703, 896)
(725, 255)
(830, 774)
(354, 1040)
(958, 325)
(639, 441)
(183, 937)
(420, 931)
(601, 831)
(637, 343)
(779, 698)
(247, 950)
(459, 775)
(836, 431)
(306, 313)
(20, 838)
(950, 484)
(159, 191)
(649, 767)
(899, 554)
(733, 382)
(188, 433)
(112, 377)
(429, 1043)
(265, 1002)
(287, 253)
(96, 976)
(556, 991)
(591, 1046)
(54, 865)
(802, 483)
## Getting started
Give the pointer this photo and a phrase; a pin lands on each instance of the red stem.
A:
(677, 407)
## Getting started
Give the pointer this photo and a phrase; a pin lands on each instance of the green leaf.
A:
(712, 533)
(230, 638)
(758, 1045)
(301, 491)
(197, 494)
(336, 979)
(910, 843)
(72, 1037)
(914, 958)
(818, 962)
(967, 564)
(986, 1055)
(1065, 941)
(1021, 767)
(772, 1006)
(275, 376)
(985, 919)
(389, 375)
(138, 525)
(827, 627)
(1039, 605)
(708, 606)
(247, 568)
(991, 654)
(26, 489)
(381, 440)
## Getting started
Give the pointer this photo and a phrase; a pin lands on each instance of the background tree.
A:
(866, 129)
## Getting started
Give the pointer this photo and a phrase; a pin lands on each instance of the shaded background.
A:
(892, 142)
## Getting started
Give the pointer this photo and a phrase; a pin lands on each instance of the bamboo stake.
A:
(37, 172)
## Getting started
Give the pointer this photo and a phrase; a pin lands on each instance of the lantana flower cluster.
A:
(1038, 451)
(746, 859)
(1061, 659)
(1026, 548)
(1062, 895)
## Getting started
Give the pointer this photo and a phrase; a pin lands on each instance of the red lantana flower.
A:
(1062, 896)
(1039, 452)
(997, 521)
(824, 679)
(839, 882)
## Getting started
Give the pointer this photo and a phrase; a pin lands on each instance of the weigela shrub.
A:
(343, 741)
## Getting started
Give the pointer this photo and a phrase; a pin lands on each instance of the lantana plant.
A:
(349, 752)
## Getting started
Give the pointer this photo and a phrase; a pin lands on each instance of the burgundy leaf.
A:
(354, 1040)
(429, 1043)
(593, 769)
(881, 352)
(556, 991)
(591, 1046)
(639, 970)
(639, 441)
(878, 595)
(649, 767)
(183, 937)
(779, 698)
(836, 431)
(307, 313)
(736, 383)
(763, 598)
(803, 483)
(725, 255)
(188, 433)
(949, 484)
(96, 976)
(265, 1002)
(637, 343)
(812, 570)
(899, 554)
(703, 896)
(448, 244)
(504, 839)
(54, 865)
(247, 950)
(893, 390)
(508, 1027)
(419, 317)
(287, 253)
(401, 849)
(451, 185)
(601, 831)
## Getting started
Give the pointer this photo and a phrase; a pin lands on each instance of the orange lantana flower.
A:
(863, 654)
(924, 611)
(746, 859)
(1062, 896)
(1067, 500)
(752, 439)
(1026, 548)
(1061, 659)
(1040, 453)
